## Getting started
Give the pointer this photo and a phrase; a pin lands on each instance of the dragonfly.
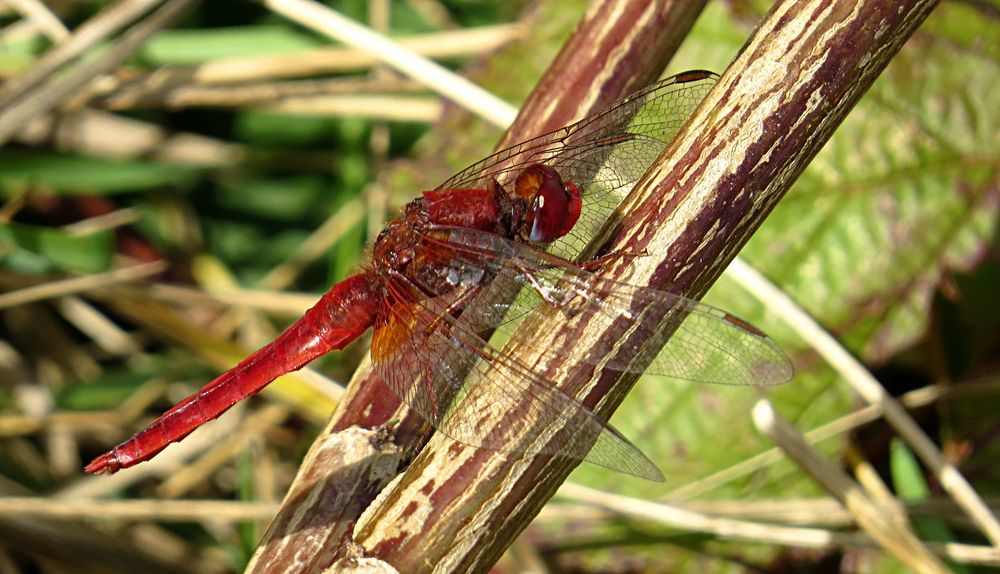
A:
(469, 261)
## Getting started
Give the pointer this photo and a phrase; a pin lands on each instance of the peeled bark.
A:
(456, 508)
(618, 47)
(362, 463)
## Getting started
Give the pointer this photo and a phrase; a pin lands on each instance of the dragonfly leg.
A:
(546, 294)
(457, 305)
(539, 287)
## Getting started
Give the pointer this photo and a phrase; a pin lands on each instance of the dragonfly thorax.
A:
(416, 247)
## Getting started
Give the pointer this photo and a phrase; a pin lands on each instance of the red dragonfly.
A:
(467, 261)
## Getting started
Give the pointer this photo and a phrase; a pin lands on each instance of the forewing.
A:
(610, 168)
(482, 397)
(708, 344)
(656, 112)
(604, 154)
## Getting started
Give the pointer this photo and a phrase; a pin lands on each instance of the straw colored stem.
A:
(897, 538)
(138, 510)
(43, 18)
(35, 103)
(450, 85)
(79, 284)
(98, 28)
(846, 423)
(872, 391)
(749, 531)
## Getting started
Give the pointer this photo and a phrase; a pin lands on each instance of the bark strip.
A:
(619, 46)
(304, 542)
(457, 508)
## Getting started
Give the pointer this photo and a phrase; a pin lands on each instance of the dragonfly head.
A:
(555, 205)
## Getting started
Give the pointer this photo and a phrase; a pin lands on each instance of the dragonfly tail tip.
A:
(107, 463)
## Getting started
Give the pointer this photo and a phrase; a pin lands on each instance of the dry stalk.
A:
(911, 400)
(33, 103)
(617, 48)
(107, 23)
(868, 387)
(457, 508)
(875, 517)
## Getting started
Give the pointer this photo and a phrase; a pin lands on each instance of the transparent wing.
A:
(657, 111)
(480, 396)
(603, 154)
(707, 345)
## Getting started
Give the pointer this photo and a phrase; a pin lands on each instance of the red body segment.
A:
(341, 315)
(469, 258)
(471, 208)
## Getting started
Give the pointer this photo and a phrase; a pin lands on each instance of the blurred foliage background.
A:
(232, 169)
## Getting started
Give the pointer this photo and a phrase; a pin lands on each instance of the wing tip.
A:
(694, 76)
(778, 371)
(653, 474)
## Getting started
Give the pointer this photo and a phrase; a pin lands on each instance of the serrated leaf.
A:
(902, 195)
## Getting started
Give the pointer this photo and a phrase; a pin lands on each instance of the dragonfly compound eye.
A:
(554, 211)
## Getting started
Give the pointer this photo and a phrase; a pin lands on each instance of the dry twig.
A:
(872, 391)
(872, 516)
(21, 105)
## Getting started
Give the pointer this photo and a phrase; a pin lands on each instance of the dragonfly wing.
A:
(605, 171)
(483, 397)
(657, 111)
(604, 154)
(707, 344)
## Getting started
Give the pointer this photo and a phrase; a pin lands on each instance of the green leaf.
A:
(245, 490)
(909, 484)
(906, 475)
(112, 387)
(63, 173)
(194, 46)
(284, 130)
(12, 64)
(903, 195)
(39, 249)
(275, 199)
